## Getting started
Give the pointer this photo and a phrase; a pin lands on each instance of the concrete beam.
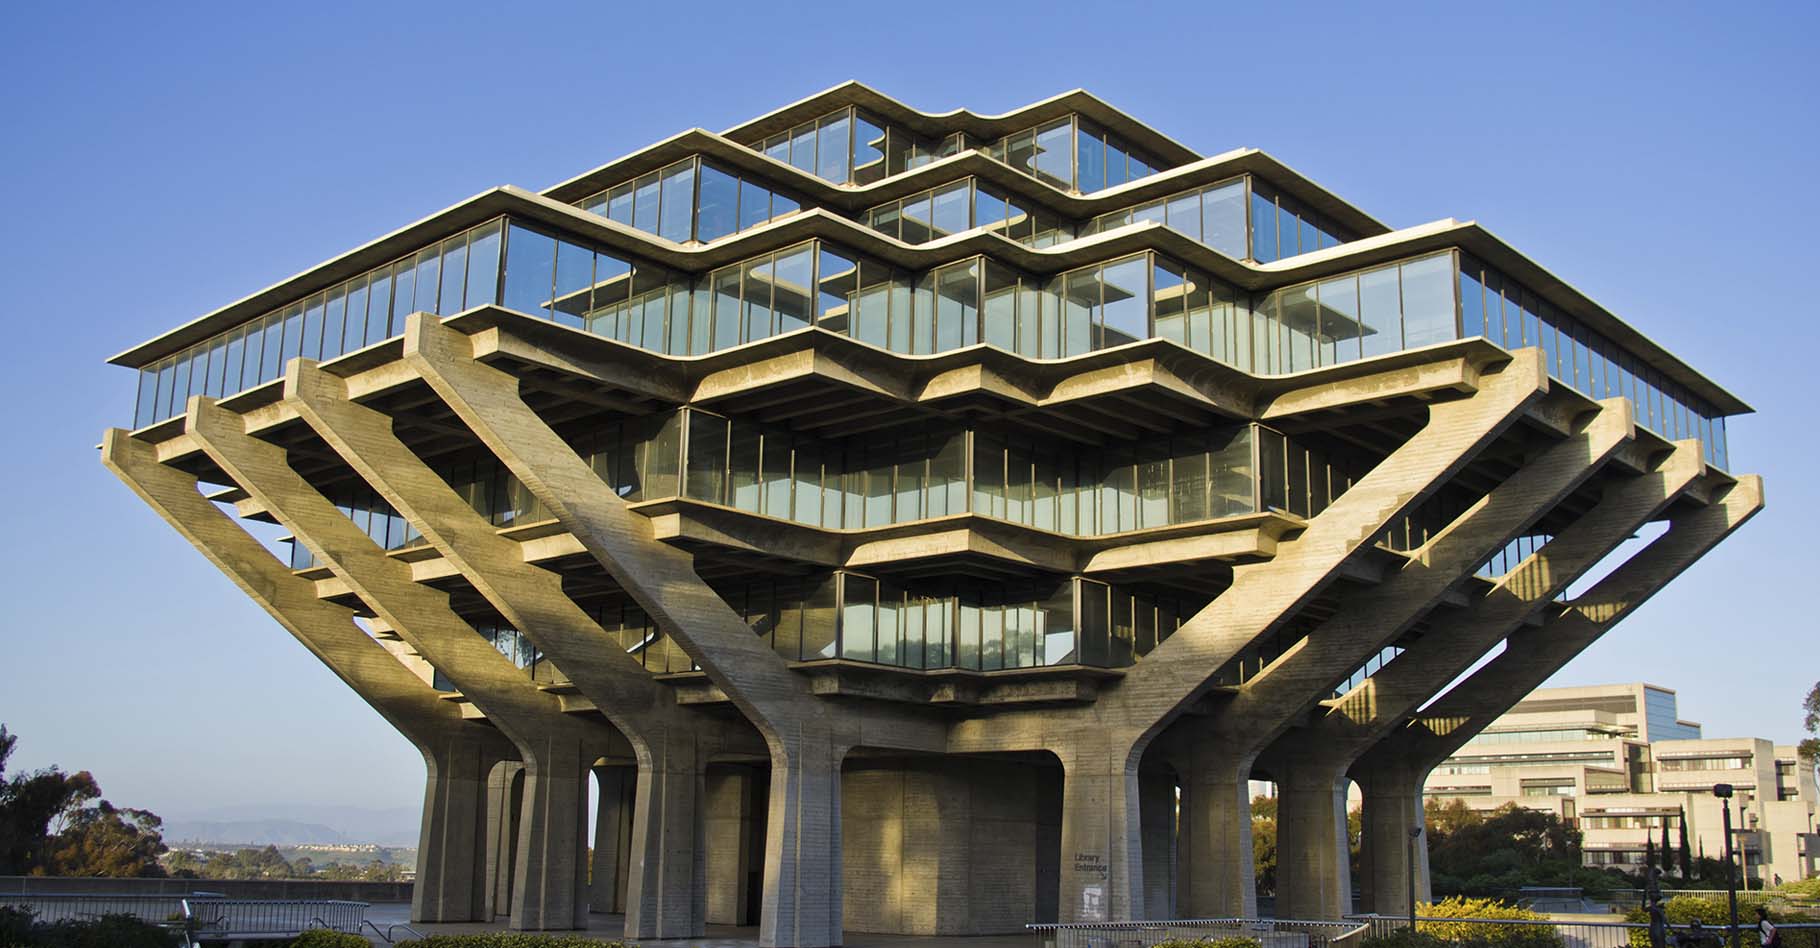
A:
(1219, 751)
(1394, 770)
(457, 752)
(557, 749)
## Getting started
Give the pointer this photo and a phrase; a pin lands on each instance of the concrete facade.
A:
(1618, 762)
(934, 580)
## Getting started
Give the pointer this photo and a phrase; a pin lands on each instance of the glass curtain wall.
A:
(691, 200)
(961, 206)
(1509, 314)
(850, 146)
(1283, 227)
(447, 277)
(1072, 154)
(1213, 215)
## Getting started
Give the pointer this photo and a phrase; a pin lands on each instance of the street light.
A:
(1724, 792)
(1415, 833)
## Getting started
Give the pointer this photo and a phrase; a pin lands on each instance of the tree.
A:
(53, 823)
(1649, 854)
(1668, 860)
(1264, 842)
(1809, 748)
(1687, 858)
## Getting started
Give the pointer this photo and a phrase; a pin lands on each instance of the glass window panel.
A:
(1126, 316)
(233, 369)
(837, 283)
(718, 212)
(988, 209)
(1341, 331)
(879, 486)
(1170, 288)
(1428, 301)
(1001, 307)
(1116, 164)
(802, 147)
(707, 459)
(574, 283)
(868, 150)
(678, 211)
(1153, 211)
(1300, 316)
(807, 474)
(1020, 151)
(726, 307)
(354, 327)
(818, 620)
(917, 227)
(756, 289)
(1093, 163)
(530, 266)
(612, 293)
(1379, 311)
(774, 472)
(1263, 227)
(619, 204)
(379, 306)
(922, 315)
(949, 212)
(293, 332)
(1223, 218)
(1183, 213)
(957, 305)
(754, 205)
(1310, 237)
(454, 268)
(885, 219)
(871, 324)
(742, 463)
(947, 474)
(911, 468)
(483, 267)
(647, 201)
(1472, 300)
(271, 365)
(832, 148)
(792, 279)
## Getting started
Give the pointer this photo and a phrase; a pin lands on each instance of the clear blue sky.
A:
(160, 160)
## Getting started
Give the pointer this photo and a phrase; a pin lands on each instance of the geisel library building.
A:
(927, 523)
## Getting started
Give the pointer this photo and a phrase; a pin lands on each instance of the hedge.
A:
(1471, 933)
(1229, 941)
(512, 940)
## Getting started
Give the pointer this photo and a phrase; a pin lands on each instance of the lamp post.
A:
(1415, 834)
(1724, 792)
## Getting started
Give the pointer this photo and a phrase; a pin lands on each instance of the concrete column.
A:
(802, 897)
(665, 887)
(505, 795)
(451, 863)
(612, 838)
(1102, 839)
(1392, 806)
(1219, 874)
(451, 849)
(1314, 875)
(1156, 812)
(551, 889)
(727, 839)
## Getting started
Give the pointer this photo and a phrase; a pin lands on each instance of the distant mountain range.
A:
(288, 825)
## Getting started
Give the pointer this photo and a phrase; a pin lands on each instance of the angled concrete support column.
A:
(1309, 884)
(504, 808)
(1391, 801)
(1530, 656)
(451, 871)
(557, 749)
(665, 896)
(1102, 838)
(805, 738)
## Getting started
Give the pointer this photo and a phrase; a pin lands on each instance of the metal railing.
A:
(1585, 934)
(52, 908)
(212, 919)
(1271, 933)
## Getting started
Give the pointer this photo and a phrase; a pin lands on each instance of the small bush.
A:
(109, 931)
(1228, 941)
(1475, 933)
(512, 940)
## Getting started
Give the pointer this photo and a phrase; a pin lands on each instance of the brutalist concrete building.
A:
(927, 523)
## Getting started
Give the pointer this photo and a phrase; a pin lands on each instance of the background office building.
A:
(881, 517)
(1618, 761)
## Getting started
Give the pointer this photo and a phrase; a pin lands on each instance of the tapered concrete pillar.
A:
(1314, 873)
(666, 885)
(557, 748)
(729, 820)
(1392, 808)
(451, 857)
(1157, 814)
(612, 838)
(802, 895)
(505, 796)
(1219, 875)
(1102, 876)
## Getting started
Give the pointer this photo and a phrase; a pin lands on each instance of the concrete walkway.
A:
(609, 928)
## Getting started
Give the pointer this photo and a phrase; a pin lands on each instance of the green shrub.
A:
(1715, 914)
(512, 940)
(1228, 941)
(109, 931)
(1475, 933)
(329, 938)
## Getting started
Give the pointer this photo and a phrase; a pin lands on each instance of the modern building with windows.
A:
(1616, 761)
(885, 518)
